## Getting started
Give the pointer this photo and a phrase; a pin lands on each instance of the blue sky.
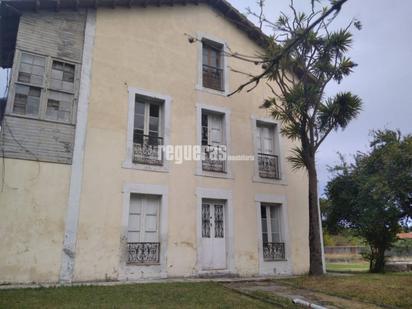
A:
(383, 79)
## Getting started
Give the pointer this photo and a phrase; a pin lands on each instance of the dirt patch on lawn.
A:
(268, 288)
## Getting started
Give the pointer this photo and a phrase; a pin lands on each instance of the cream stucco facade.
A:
(145, 50)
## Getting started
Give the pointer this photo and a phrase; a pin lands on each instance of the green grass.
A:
(391, 289)
(347, 267)
(150, 295)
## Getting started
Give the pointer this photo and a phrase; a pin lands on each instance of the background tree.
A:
(373, 196)
(316, 56)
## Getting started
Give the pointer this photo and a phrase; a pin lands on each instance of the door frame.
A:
(136, 272)
(215, 194)
(283, 267)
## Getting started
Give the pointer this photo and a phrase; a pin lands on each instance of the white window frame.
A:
(45, 87)
(165, 124)
(225, 112)
(199, 86)
(277, 149)
(283, 267)
(134, 271)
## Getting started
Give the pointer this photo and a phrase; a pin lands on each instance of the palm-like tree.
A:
(299, 102)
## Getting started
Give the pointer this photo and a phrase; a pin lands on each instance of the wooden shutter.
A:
(135, 218)
(150, 215)
(275, 224)
(143, 219)
(215, 125)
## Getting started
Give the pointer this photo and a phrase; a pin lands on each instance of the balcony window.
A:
(213, 145)
(268, 160)
(147, 136)
(273, 245)
(143, 243)
(212, 65)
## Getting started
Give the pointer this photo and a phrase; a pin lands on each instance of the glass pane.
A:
(204, 54)
(68, 77)
(59, 106)
(154, 110)
(213, 58)
(206, 220)
(138, 136)
(52, 109)
(264, 224)
(139, 108)
(139, 122)
(55, 74)
(27, 68)
(22, 89)
(34, 92)
(32, 107)
(19, 106)
(24, 77)
(265, 238)
(36, 79)
(219, 222)
(274, 223)
(40, 61)
(154, 124)
(36, 70)
(26, 58)
(57, 65)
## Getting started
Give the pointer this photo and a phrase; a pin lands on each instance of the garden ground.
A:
(355, 291)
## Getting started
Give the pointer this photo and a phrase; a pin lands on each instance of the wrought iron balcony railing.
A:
(268, 166)
(214, 158)
(146, 149)
(143, 253)
(273, 251)
(212, 77)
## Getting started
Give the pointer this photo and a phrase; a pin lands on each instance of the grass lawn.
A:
(347, 267)
(150, 295)
(391, 289)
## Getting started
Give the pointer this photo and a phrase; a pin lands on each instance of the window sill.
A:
(224, 175)
(142, 264)
(38, 118)
(280, 182)
(223, 93)
(145, 167)
(274, 261)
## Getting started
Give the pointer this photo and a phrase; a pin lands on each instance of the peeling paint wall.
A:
(146, 48)
(33, 203)
(52, 34)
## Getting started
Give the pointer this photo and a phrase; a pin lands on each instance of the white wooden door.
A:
(213, 247)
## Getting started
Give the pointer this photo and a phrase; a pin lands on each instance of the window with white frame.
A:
(212, 65)
(143, 229)
(44, 93)
(272, 241)
(147, 130)
(213, 141)
(268, 159)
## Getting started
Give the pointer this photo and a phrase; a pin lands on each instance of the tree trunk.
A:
(315, 246)
(378, 265)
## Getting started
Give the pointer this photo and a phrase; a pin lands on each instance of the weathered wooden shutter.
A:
(143, 219)
(215, 129)
(150, 215)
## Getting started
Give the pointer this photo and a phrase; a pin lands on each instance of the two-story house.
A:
(98, 90)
